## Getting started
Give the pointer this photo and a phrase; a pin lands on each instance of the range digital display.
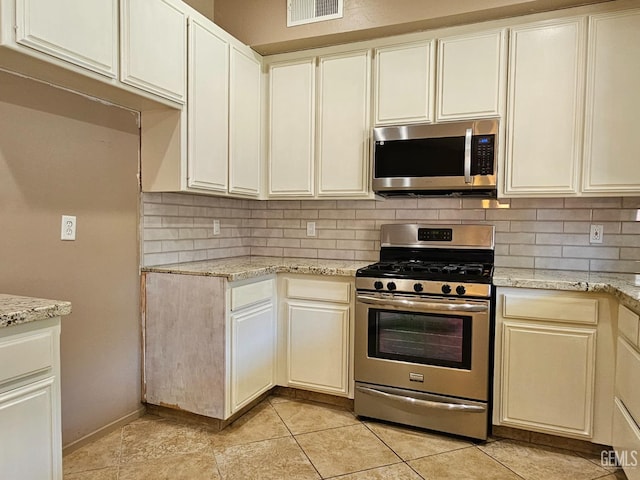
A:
(435, 234)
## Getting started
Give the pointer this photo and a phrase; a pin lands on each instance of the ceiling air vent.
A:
(308, 11)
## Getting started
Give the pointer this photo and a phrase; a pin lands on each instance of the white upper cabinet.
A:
(471, 76)
(292, 128)
(244, 124)
(404, 83)
(154, 47)
(208, 108)
(544, 120)
(77, 31)
(343, 125)
(612, 143)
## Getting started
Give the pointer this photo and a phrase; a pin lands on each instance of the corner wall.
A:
(61, 153)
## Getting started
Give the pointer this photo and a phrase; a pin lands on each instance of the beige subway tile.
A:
(511, 214)
(231, 242)
(205, 201)
(284, 204)
(485, 203)
(535, 250)
(159, 209)
(589, 202)
(513, 261)
(622, 215)
(591, 252)
(356, 204)
(511, 238)
(500, 226)
(337, 214)
(621, 240)
(548, 263)
(151, 247)
(356, 224)
(152, 197)
(152, 221)
(255, 242)
(445, 214)
(194, 232)
(322, 224)
(191, 211)
(367, 234)
(293, 233)
(311, 242)
(203, 222)
(539, 226)
(626, 253)
(416, 214)
(257, 205)
(170, 222)
(267, 251)
(300, 252)
(537, 203)
(337, 234)
(318, 204)
(267, 214)
(307, 214)
(161, 234)
(583, 227)
(367, 256)
(161, 259)
(630, 228)
(354, 245)
(267, 232)
(254, 222)
(501, 250)
(621, 266)
(573, 214)
(438, 203)
(375, 214)
(192, 256)
(562, 239)
(397, 203)
(631, 202)
(282, 223)
(337, 254)
(206, 244)
(234, 213)
(283, 242)
(177, 199)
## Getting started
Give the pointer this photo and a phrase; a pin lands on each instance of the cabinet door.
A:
(343, 130)
(208, 108)
(318, 346)
(612, 143)
(545, 105)
(30, 444)
(154, 47)
(404, 83)
(291, 127)
(253, 353)
(545, 365)
(244, 124)
(80, 32)
(471, 76)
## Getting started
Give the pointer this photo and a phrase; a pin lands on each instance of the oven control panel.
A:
(423, 287)
(435, 234)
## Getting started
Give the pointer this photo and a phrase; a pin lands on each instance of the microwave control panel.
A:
(483, 155)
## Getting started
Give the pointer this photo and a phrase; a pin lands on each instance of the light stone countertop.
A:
(624, 286)
(15, 309)
(242, 268)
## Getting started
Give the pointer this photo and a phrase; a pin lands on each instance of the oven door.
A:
(434, 345)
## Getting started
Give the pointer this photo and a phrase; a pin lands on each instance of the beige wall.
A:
(205, 7)
(263, 24)
(64, 154)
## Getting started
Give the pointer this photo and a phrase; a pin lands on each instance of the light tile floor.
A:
(285, 439)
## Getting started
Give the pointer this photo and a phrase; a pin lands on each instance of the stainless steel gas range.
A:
(423, 328)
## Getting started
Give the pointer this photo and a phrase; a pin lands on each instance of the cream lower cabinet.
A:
(30, 418)
(209, 345)
(80, 32)
(315, 334)
(553, 364)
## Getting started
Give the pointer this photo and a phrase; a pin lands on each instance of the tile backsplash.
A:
(532, 233)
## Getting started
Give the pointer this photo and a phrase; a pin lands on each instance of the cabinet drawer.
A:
(627, 375)
(251, 293)
(628, 324)
(318, 290)
(26, 355)
(626, 440)
(552, 309)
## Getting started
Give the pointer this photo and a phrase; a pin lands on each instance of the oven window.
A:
(430, 339)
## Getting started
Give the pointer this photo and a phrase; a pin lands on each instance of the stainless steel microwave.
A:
(446, 158)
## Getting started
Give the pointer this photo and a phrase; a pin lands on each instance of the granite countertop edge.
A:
(17, 309)
(624, 286)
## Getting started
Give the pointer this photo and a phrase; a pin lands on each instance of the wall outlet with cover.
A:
(596, 233)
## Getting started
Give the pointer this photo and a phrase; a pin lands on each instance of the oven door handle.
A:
(421, 305)
(422, 403)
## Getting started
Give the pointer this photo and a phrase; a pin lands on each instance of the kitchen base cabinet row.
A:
(213, 347)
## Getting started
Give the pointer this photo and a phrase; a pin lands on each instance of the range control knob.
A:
(446, 289)
(460, 290)
(418, 287)
(391, 286)
(378, 285)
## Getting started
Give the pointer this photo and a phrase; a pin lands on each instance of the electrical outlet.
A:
(596, 233)
(216, 227)
(68, 228)
(311, 229)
